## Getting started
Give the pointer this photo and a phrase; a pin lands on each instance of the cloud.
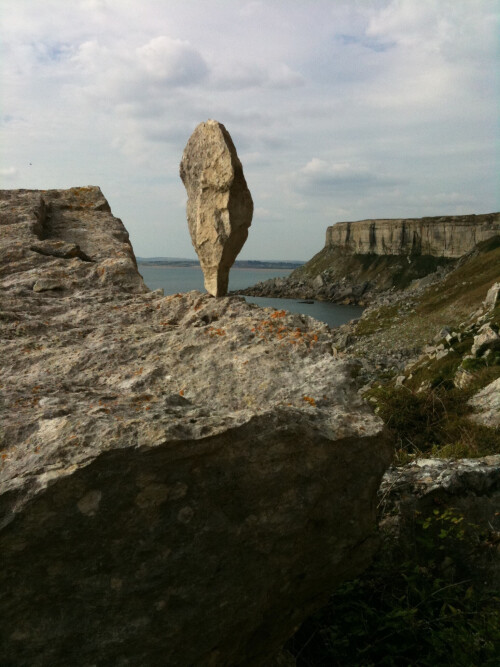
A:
(8, 172)
(241, 76)
(323, 178)
(441, 50)
(352, 109)
(120, 74)
(365, 41)
(171, 61)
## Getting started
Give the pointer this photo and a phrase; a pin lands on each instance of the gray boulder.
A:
(486, 404)
(487, 338)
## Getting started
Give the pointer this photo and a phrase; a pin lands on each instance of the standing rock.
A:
(220, 206)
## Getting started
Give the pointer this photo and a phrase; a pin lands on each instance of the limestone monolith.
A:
(219, 206)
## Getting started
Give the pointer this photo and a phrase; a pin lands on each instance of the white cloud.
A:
(119, 74)
(8, 172)
(171, 61)
(348, 109)
(321, 178)
(236, 75)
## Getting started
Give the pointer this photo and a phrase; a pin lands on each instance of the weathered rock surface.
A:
(444, 236)
(219, 207)
(183, 479)
(487, 338)
(64, 240)
(486, 404)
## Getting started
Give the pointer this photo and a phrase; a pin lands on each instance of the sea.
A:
(174, 279)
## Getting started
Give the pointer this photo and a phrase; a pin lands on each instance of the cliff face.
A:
(361, 259)
(447, 236)
(182, 478)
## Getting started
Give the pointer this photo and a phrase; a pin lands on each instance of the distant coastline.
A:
(239, 264)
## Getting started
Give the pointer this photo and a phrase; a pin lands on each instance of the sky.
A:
(339, 109)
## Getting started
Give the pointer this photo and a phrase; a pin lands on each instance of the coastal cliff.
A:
(446, 236)
(361, 260)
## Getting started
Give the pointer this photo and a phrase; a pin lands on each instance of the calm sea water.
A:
(184, 279)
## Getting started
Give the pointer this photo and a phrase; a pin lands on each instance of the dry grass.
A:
(449, 303)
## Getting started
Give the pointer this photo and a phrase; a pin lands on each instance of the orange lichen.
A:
(310, 400)
(269, 330)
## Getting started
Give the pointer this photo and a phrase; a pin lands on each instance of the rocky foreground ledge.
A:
(183, 478)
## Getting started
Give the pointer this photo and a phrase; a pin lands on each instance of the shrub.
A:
(434, 421)
(416, 606)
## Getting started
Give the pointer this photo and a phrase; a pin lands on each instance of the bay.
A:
(174, 279)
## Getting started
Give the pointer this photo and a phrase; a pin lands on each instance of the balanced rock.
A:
(182, 479)
(219, 207)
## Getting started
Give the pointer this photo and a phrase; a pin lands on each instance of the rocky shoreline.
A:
(344, 291)
(317, 289)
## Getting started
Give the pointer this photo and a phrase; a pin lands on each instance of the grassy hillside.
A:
(448, 303)
(383, 271)
(429, 412)
(426, 600)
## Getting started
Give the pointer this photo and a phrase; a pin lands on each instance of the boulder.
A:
(486, 338)
(64, 240)
(182, 479)
(486, 404)
(219, 206)
(492, 297)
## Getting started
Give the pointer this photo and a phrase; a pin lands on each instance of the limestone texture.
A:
(64, 240)
(486, 404)
(182, 479)
(446, 236)
(219, 206)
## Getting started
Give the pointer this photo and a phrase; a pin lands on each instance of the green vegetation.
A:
(424, 601)
(464, 289)
(417, 605)
(377, 321)
(385, 271)
(435, 421)
(449, 303)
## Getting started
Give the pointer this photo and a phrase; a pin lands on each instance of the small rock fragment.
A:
(492, 296)
(487, 337)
